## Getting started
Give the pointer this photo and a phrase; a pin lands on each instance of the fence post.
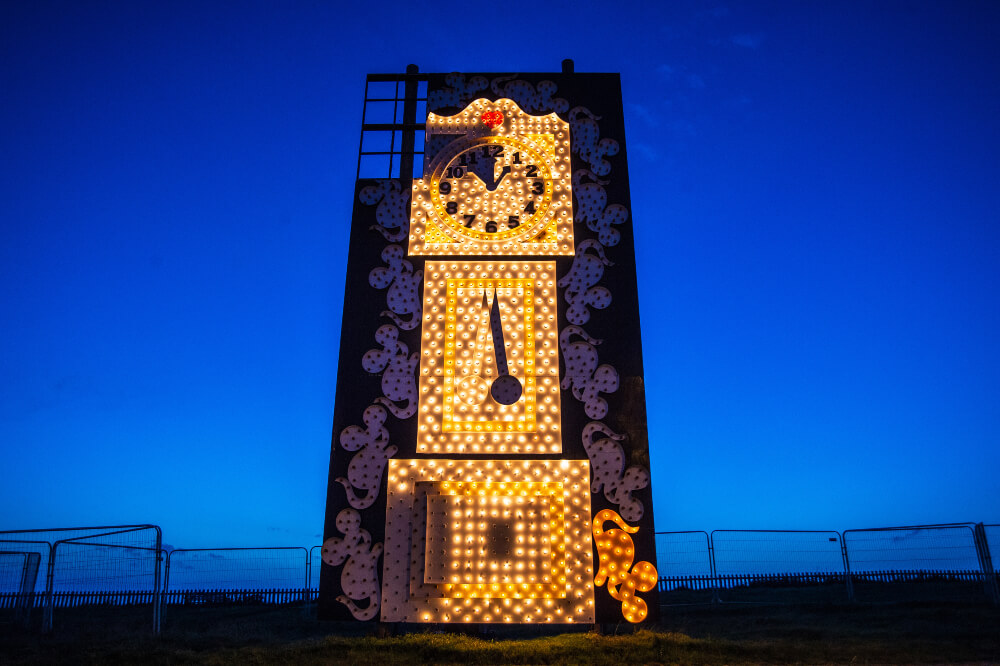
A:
(847, 568)
(164, 599)
(157, 606)
(49, 576)
(986, 563)
(305, 590)
(711, 565)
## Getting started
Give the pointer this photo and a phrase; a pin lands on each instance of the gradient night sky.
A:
(816, 194)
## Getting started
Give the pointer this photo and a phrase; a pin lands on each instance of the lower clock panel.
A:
(488, 541)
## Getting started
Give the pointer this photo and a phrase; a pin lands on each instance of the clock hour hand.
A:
(484, 168)
(492, 186)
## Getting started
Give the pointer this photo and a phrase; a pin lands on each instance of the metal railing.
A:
(930, 562)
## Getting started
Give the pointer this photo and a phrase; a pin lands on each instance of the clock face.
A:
(493, 188)
(496, 181)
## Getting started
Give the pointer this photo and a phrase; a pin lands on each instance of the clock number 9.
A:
(445, 187)
(490, 227)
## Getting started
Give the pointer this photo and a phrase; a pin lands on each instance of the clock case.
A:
(617, 326)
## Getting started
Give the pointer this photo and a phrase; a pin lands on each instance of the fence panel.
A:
(684, 564)
(9, 541)
(315, 565)
(993, 539)
(18, 575)
(779, 566)
(226, 571)
(114, 567)
(77, 564)
(924, 562)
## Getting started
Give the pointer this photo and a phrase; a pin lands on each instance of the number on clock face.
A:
(492, 187)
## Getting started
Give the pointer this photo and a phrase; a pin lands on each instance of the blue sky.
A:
(816, 201)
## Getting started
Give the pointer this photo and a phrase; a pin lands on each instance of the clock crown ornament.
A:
(492, 118)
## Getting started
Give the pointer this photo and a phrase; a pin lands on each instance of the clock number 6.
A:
(490, 227)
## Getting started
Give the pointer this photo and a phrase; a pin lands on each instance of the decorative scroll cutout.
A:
(529, 98)
(607, 459)
(616, 552)
(583, 375)
(359, 579)
(586, 141)
(587, 271)
(393, 212)
(591, 198)
(458, 93)
(403, 297)
(398, 368)
(592, 208)
(368, 465)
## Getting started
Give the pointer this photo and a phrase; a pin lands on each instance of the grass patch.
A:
(916, 633)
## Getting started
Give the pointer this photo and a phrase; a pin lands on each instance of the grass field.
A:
(902, 633)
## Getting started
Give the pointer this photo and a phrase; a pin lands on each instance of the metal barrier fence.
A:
(927, 562)
(19, 573)
(123, 566)
(119, 564)
(212, 576)
(316, 562)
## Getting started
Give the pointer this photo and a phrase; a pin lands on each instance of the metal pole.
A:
(409, 119)
(361, 139)
(157, 597)
(305, 590)
(716, 599)
(847, 569)
(49, 576)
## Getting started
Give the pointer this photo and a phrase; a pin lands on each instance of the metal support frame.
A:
(407, 126)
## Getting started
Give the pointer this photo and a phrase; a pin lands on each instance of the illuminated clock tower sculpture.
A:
(490, 458)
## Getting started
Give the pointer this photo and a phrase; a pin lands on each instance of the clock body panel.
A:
(457, 410)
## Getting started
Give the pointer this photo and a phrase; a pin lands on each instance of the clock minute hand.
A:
(499, 347)
(506, 389)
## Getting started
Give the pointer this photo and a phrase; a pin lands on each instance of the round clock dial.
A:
(492, 188)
